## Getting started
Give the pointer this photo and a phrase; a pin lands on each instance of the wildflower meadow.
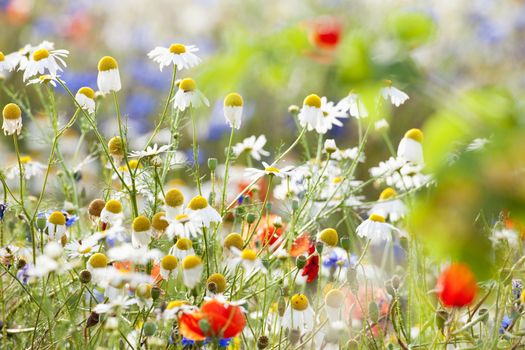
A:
(262, 175)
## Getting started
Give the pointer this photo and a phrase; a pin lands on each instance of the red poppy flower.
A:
(457, 285)
(300, 245)
(225, 321)
(311, 269)
(326, 32)
(269, 235)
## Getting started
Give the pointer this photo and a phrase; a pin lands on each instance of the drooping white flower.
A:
(410, 147)
(201, 213)
(7, 64)
(298, 315)
(191, 271)
(375, 229)
(388, 206)
(12, 116)
(396, 96)
(85, 98)
(141, 232)
(45, 79)
(150, 151)
(233, 106)
(108, 78)
(180, 55)
(247, 258)
(319, 114)
(353, 105)
(188, 95)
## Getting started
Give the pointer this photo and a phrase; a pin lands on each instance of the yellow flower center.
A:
(197, 203)
(299, 302)
(134, 164)
(387, 193)
(233, 100)
(174, 198)
(57, 218)
(40, 54)
(329, 237)
(114, 206)
(313, 101)
(188, 84)
(387, 82)
(87, 91)
(182, 217)
(219, 281)
(46, 78)
(144, 290)
(414, 134)
(115, 147)
(334, 298)
(337, 179)
(176, 303)
(98, 260)
(234, 240)
(141, 224)
(272, 170)
(184, 244)
(169, 262)
(377, 218)
(82, 250)
(158, 222)
(248, 254)
(191, 261)
(2, 57)
(107, 63)
(12, 111)
(177, 49)
(25, 159)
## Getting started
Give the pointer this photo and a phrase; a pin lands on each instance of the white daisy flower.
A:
(375, 229)
(298, 315)
(56, 225)
(141, 232)
(233, 106)
(12, 116)
(188, 95)
(30, 168)
(168, 267)
(45, 59)
(388, 206)
(381, 125)
(45, 79)
(253, 173)
(201, 213)
(253, 145)
(49, 262)
(108, 78)
(334, 305)
(81, 248)
(182, 248)
(410, 147)
(150, 151)
(329, 146)
(138, 256)
(85, 98)
(112, 213)
(191, 271)
(396, 96)
(7, 63)
(115, 305)
(97, 264)
(319, 114)
(183, 226)
(349, 153)
(247, 258)
(182, 56)
(353, 105)
(504, 234)
(174, 307)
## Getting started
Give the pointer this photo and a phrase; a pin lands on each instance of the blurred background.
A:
(461, 63)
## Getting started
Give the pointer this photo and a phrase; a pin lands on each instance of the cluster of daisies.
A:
(244, 257)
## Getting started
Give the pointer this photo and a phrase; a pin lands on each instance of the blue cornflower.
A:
(505, 323)
(3, 207)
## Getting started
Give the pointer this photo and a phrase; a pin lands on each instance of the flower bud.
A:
(92, 320)
(300, 262)
(155, 293)
(373, 311)
(204, 325)
(250, 218)
(85, 276)
(212, 163)
(294, 336)
(281, 306)
(319, 247)
(41, 223)
(149, 329)
(262, 342)
(295, 204)
(293, 109)
(345, 243)
(441, 318)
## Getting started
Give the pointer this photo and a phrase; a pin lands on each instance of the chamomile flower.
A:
(45, 79)
(330, 146)
(298, 315)
(85, 98)
(253, 146)
(219, 283)
(141, 232)
(388, 206)
(12, 116)
(201, 213)
(108, 79)
(115, 305)
(319, 114)
(396, 96)
(97, 264)
(233, 105)
(410, 147)
(174, 307)
(188, 95)
(353, 104)
(233, 241)
(49, 262)
(159, 223)
(350, 153)
(328, 237)
(253, 173)
(334, 303)
(112, 212)
(191, 271)
(116, 149)
(150, 151)
(7, 64)
(30, 168)
(168, 266)
(44, 59)
(375, 229)
(173, 203)
(56, 225)
(139, 256)
(81, 248)
(183, 226)
(182, 248)
(247, 258)
(182, 56)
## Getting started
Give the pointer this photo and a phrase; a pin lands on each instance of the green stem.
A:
(226, 168)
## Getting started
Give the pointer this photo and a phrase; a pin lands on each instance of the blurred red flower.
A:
(326, 32)
(223, 321)
(457, 285)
